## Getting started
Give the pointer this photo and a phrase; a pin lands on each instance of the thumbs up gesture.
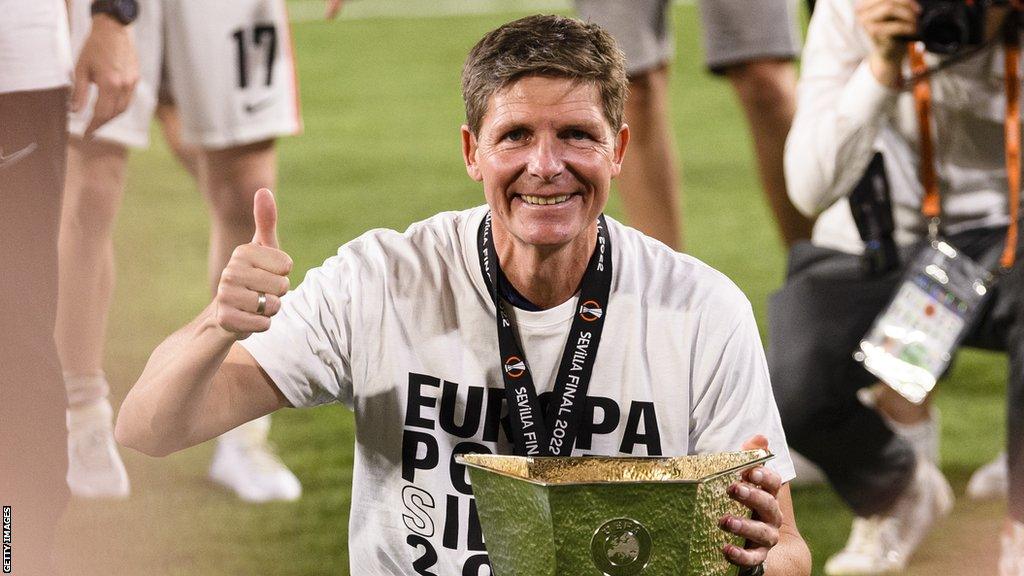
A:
(251, 285)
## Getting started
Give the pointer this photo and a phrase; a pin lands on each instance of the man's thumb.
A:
(756, 442)
(264, 212)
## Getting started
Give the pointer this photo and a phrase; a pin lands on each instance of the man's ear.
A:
(621, 141)
(469, 148)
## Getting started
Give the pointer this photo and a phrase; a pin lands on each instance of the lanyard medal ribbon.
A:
(534, 432)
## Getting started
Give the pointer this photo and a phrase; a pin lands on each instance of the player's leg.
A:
(170, 122)
(93, 195)
(33, 449)
(95, 186)
(649, 182)
(232, 76)
(766, 89)
(754, 45)
(243, 461)
(229, 178)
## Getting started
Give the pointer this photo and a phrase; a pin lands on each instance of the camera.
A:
(949, 26)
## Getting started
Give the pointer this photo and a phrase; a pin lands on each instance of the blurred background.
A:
(382, 110)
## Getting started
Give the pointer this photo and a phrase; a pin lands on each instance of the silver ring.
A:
(261, 303)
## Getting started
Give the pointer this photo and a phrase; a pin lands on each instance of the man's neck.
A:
(546, 276)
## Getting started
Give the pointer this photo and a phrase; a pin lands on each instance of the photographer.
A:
(855, 99)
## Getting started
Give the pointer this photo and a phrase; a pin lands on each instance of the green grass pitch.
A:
(381, 148)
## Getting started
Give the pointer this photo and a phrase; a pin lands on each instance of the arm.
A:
(733, 400)
(108, 60)
(848, 88)
(199, 383)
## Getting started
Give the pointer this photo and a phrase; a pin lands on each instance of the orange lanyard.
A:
(931, 205)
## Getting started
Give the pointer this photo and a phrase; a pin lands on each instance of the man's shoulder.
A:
(428, 248)
(663, 276)
(439, 233)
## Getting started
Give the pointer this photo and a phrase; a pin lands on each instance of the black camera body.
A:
(949, 26)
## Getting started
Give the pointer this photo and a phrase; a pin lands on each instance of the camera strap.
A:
(931, 205)
(913, 340)
(535, 433)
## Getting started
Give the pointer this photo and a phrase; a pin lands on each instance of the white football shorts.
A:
(229, 66)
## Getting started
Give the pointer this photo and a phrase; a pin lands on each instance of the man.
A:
(854, 102)
(35, 74)
(753, 44)
(229, 68)
(402, 327)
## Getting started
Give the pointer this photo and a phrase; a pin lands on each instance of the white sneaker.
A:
(884, 544)
(991, 481)
(1011, 559)
(245, 463)
(95, 469)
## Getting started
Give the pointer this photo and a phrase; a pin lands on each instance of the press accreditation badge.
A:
(912, 342)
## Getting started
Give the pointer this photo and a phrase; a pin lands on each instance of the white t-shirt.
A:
(401, 329)
(35, 47)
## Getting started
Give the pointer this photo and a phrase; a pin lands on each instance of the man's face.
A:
(546, 156)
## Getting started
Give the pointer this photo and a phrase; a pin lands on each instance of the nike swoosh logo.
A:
(258, 105)
(16, 156)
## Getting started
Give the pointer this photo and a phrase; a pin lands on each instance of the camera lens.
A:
(943, 27)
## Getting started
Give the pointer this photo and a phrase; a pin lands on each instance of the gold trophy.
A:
(604, 516)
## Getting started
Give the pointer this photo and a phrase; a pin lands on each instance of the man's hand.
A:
(758, 491)
(888, 23)
(257, 272)
(333, 7)
(108, 60)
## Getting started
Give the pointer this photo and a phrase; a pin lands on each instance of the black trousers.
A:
(816, 321)
(33, 436)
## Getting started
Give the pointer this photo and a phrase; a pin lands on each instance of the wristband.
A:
(752, 571)
(124, 11)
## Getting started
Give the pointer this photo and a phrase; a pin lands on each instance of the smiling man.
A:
(533, 325)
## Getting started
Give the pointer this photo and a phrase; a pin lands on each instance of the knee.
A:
(648, 92)
(231, 204)
(764, 84)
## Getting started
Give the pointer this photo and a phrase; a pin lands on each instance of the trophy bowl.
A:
(606, 516)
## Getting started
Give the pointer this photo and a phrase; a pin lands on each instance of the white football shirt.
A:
(401, 329)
